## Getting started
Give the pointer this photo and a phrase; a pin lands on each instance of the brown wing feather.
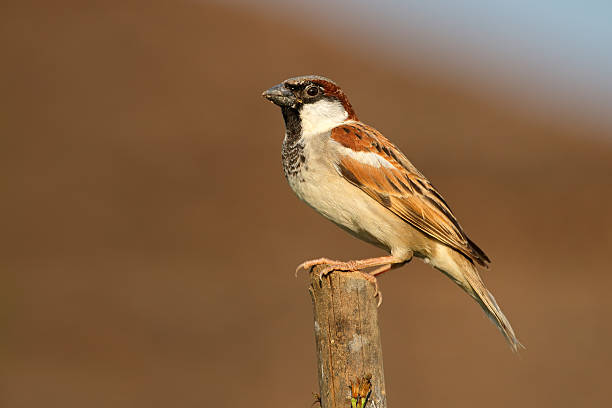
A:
(401, 188)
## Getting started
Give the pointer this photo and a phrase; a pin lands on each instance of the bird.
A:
(351, 174)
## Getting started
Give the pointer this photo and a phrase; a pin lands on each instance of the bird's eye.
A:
(312, 91)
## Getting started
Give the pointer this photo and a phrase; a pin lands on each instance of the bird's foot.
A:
(330, 265)
(349, 266)
(309, 265)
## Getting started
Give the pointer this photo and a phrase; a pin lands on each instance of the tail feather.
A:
(464, 273)
(488, 303)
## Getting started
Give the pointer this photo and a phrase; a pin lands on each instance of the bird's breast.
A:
(311, 173)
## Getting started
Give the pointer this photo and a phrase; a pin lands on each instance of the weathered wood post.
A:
(349, 350)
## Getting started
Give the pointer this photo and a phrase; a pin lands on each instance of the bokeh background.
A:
(149, 238)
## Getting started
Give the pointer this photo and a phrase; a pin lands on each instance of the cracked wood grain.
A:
(347, 338)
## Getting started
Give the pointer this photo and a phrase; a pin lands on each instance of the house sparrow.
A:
(352, 175)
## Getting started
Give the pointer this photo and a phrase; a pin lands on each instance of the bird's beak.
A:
(279, 95)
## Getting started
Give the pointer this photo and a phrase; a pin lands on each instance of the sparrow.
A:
(352, 175)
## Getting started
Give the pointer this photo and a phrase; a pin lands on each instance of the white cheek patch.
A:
(321, 116)
(368, 158)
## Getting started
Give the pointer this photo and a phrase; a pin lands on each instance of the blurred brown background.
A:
(149, 237)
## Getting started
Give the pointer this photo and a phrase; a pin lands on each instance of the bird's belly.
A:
(355, 211)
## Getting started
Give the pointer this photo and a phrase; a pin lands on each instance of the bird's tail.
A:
(466, 276)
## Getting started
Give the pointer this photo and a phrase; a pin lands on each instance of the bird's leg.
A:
(384, 264)
(388, 267)
(381, 270)
(332, 265)
(371, 276)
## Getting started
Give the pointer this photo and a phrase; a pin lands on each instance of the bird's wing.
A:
(371, 162)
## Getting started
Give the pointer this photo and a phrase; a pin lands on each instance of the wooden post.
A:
(349, 351)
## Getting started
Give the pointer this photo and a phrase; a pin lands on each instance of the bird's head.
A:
(316, 101)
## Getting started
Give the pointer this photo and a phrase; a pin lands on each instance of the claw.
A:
(309, 265)
(304, 265)
(300, 267)
(374, 282)
(327, 270)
